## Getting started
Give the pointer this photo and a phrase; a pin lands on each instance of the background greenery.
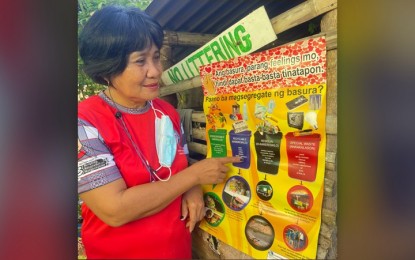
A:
(86, 87)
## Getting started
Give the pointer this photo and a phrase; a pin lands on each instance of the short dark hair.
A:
(111, 35)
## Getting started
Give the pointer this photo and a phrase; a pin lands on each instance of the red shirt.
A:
(162, 235)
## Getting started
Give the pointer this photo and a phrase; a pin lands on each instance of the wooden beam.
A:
(199, 133)
(198, 117)
(186, 39)
(181, 86)
(301, 13)
(198, 148)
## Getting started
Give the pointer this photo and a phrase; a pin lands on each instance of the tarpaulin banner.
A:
(270, 109)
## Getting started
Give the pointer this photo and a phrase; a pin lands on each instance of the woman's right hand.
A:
(213, 170)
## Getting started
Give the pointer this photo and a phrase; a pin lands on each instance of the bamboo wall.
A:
(188, 94)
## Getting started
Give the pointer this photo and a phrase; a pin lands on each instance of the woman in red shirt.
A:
(140, 198)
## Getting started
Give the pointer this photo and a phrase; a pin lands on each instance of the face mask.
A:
(166, 141)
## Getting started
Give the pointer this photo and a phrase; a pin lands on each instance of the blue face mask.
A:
(166, 141)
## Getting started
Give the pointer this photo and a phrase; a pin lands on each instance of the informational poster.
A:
(270, 109)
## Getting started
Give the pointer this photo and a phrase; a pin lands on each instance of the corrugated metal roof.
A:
(212, 16)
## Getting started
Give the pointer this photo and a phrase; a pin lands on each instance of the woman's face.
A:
(139, 82)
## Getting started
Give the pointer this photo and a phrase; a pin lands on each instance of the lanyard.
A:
(139, 153)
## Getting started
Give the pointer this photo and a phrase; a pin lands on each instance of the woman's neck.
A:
(113, 95)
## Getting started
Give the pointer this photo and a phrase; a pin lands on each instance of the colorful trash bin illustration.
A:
(218, 142)
(302, 153)
(240, 146)
(267, 147)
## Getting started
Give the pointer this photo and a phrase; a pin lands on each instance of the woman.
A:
(140, 200)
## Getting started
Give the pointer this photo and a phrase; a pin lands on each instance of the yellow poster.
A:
(270, 109)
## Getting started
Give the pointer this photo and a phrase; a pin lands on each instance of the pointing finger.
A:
(231, 159)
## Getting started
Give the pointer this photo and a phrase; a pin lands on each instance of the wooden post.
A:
(327, 247)
(329, 22)
(165, 57)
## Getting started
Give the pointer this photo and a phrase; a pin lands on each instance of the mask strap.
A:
(155, 109)
(160, 179)
(161, 166)
(145, 162)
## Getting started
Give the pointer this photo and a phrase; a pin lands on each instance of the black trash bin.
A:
(267, 147)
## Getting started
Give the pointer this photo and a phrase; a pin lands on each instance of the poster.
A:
(270, 109)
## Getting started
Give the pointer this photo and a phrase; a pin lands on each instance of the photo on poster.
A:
(259, 232)
(214, 209)
(295, 237)
(264, 190)
(296, 102)
(300, 198)
(237, 193)
(295, 119)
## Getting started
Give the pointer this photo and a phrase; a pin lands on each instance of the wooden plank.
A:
(197, 148)
(199, 133)
(198, 117)
(181, 86)
(186, 39)
(301, 13)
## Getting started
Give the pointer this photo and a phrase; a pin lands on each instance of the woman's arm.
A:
(116, 205)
